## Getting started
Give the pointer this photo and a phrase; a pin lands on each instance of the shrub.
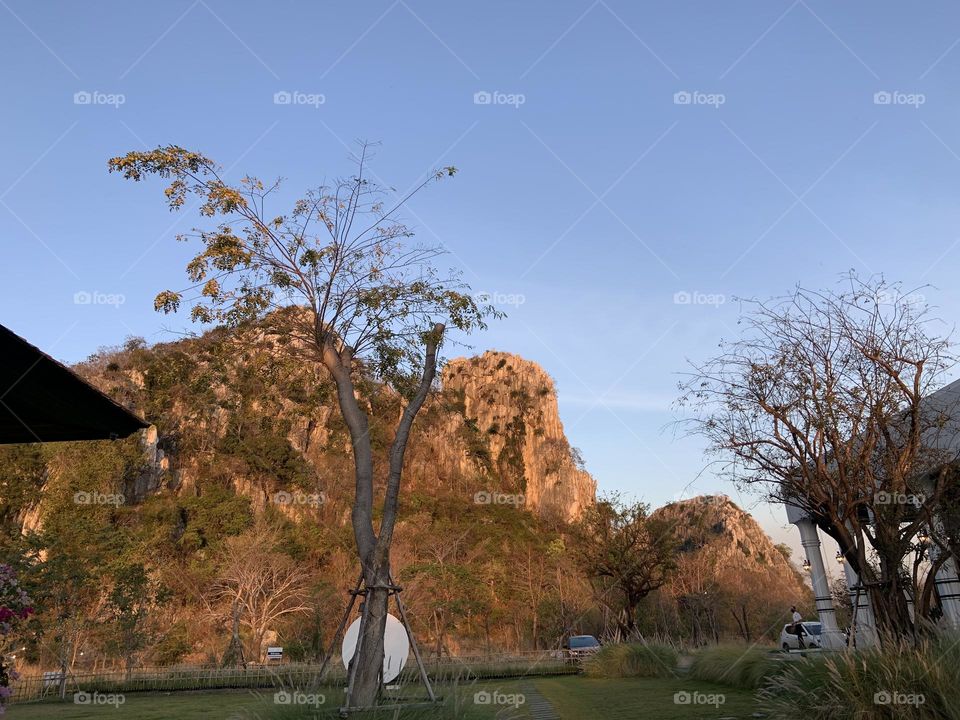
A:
(896, 681)
(747, 668)
(632, 660)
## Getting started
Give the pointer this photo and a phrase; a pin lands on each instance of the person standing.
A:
(798, 627)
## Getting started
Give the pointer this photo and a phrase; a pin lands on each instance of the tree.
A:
(15, 605)
(626, 553)
(131, 599)
(367, 301)
(261, 583)
(821, 403)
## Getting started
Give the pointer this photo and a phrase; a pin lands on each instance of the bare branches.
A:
(822, 402)
(366, 288)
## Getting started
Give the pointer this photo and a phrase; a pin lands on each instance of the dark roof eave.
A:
(42, 400)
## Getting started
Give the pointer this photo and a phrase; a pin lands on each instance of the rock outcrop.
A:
(716, 527)
(513, 403)
(235, 411)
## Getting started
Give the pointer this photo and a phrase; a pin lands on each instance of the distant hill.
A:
(732, 579)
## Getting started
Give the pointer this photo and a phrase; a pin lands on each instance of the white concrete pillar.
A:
(866, 624)
(947, 583)
(831, 636)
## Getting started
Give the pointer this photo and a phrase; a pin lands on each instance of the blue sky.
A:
(588, 188)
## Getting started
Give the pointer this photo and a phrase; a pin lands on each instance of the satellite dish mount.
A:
(360, 590)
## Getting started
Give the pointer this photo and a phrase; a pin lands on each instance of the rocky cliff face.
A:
(718, 537)
(233, 411)
(512, 402)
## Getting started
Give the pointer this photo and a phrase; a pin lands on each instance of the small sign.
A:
(274, 653)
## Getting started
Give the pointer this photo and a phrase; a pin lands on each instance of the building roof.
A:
(41, 400)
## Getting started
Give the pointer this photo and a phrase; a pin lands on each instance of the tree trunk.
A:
(890, 610)
(369, 654)
(373, 549)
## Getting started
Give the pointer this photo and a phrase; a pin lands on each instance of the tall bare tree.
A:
(822, 402)
(367, 302)
(263, 584)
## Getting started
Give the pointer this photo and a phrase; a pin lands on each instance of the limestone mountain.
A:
(248, 462)
(731, 577)
(513, 403)
(231, 407)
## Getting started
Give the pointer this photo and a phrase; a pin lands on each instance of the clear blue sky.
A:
(597, 199)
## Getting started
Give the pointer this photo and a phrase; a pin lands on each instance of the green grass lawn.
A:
(159, 706)
(573, 698)
(625, 699)
(242, 705)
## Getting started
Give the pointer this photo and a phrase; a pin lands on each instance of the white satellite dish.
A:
(396, 647)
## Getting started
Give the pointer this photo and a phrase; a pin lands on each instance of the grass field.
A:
(236, 705)
(573, 698)
(626, 699)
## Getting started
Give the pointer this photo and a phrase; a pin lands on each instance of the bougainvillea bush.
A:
(14, 606)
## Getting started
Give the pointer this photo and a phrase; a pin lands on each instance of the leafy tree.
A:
(15, 605)
(133, 596)
(364, 297)
(627, 554)
(451, 594)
